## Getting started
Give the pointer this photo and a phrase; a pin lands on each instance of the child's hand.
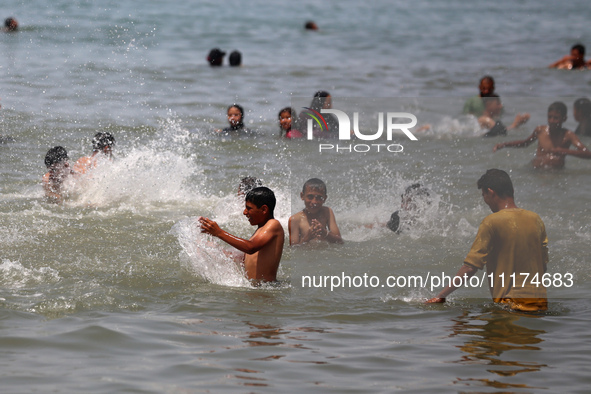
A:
(317, 230)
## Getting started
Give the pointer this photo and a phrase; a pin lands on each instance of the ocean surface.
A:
(116, 290)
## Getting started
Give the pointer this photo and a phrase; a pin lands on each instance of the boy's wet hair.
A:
(291, 111)
(55, 155)
(248, 183)
(235, 58)
(498, 181)
(260, 196)
(102, 140)
(559, 107)
(583, 107)
(314, 183)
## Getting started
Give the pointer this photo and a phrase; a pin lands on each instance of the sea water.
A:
(116, 289)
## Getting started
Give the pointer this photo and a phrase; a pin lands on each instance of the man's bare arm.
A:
(249, 246)
(519, 143)
(466, 270)
(581, 150)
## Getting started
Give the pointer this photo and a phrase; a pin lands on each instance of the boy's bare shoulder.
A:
(273, 224)
(297, 216)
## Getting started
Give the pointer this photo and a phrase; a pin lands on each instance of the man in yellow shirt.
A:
(512, 243)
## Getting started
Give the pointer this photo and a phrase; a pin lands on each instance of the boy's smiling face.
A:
(555, 119)
(313, 198)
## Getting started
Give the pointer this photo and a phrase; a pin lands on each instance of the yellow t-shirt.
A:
(512, 242)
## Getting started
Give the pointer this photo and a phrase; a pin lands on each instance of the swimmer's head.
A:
(103, 141)
(236, 116)
(215, 57)
(235, 59)
(556, 114)
(497, 181)
(10, 24)
(322, 99)
(486, 86)
(578, 50)
(311, 25)
(285, 117)
(315, 184)
(415, 196)
(260, 196)
(247, 184)
(55, 156)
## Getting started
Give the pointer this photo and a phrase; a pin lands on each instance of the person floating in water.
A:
(236, 120)
(235, 59)
(474, 105)
(262, 252)
(511, 243)
(490, 119)
(102, 148)
(311, 25)
(574, 61)
(315, 222)
(582, 114)
(56, 161)
(10, 25)
(286, 115)
(215, 57)
(553, 140)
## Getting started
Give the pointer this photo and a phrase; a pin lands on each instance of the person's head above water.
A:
(236, 116)
(311, 25)
(486, 86)
(582, 109)
(322, 99)
(10, 24)
(314, 184)
(55, 156)
(260, 196)
(235, 59)
(103, 141)
(497, 181)
(215, 57)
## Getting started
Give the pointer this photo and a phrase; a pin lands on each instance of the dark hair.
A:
(248, 183)
(319, 100)
(559, 107)
(583, 107)
(260, 196)
(498, 181)
(240, 124)
(291, 111)
(10, 24)
(416, 190)
(314, 183)
(55, 155)
(102, 140)
(487, 78)
(311, 25)
(215, 57)
(580, 48)
(235, 58)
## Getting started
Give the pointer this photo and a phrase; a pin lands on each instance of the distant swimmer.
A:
(582, 114)
(236, 120)
(262, 252)
(512, 243)
(315, 222)
(553, 141)
(102, 148)
(215, 57)
(310, 25)
(474, 105)
(490, 119)
(10, 25)
(286, 115)
(321, 100)
(235, 59)
(56, 160)
(574, 61)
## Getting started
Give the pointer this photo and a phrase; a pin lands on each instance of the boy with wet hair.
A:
(56, 160)
(553, 140)
(262, 252)
(102, 142)
(315, 222)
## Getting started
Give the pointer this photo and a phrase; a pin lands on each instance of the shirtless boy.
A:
(553, 140)
(574, 61)
(315, 222)
(262, 252)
